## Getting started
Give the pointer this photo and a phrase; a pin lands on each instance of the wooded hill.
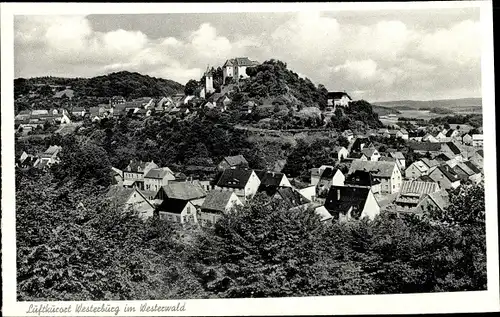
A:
(126, 84)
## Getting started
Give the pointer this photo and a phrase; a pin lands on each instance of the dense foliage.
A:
(474, 120)
(126, 84)
(272, 78)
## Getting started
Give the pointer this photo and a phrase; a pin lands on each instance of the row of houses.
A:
(42, 160)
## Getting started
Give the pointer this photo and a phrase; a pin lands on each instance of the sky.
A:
(373, 55)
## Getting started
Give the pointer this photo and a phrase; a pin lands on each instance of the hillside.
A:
(454, 105)
(282, 96)
(126, 84)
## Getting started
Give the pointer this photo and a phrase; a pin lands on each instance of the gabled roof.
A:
(337, 95)
(425, 178)
(472, 167)
(268, 178)
(361, 178)
(386, 159)
(418, 187)
(244, 61)
(377, 168)
(236, 160)
(449, 133)
(429, 163)
(448, 172)
(234, 178)
(368, 151)
(421, 166)
(291, 197)
(328, 173)
(184, 191)
(342, 198)
(217, 200)
(119, 194)
(453, 148)
(53, 149)
(158, 173)
(397, 155)
(173, 205)
(440, 198)
(134, 166)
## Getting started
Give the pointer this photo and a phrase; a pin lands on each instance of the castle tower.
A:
(209, 81)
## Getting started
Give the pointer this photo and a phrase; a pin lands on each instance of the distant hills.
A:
(126, 84)
(453, 105)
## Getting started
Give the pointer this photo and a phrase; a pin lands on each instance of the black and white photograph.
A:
(247, 152)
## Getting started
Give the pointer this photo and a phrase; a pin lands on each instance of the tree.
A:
(191, 87)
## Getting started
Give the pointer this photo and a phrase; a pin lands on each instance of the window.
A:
(184, 218)
(178, 218)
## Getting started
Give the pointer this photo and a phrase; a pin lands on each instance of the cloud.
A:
(378, 60)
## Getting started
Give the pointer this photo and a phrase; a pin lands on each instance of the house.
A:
(416, 169)
(78, 111)
(329, 176)
(22, 115)
(383, 131)
(192, 192)
(236, 68)
(178, 211)
(363, 179)
(452, 134)
(371, 154)
(223, 102)
(403, 134)
(243, 182)
(441, 136)
(209, 105)
(425, 147)
(323, 213)
(135, 171)
(412, 192)
(445, 176)
(130, 199)
(388, 173)
(359, 144)
(340, 152)
(271, 181)
(338, 98)
(144, 102)
(467, 139)
(116, 176)
(291, 198)
(400, 159)
(65, 119)
(437, 200)
(116, 100)
(348, 135)
(468, 171)
(451, 148)
(39, 112)
(232, 162)
(309, 192)
(477, 158)
(49, 157)
(358, 156)
(477, 140)
(216, 204)
(351, 202)
(155, 178)
(429, 138)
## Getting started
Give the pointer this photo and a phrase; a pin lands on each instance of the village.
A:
(373, 180)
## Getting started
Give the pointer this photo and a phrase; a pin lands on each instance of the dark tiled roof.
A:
(341, 198)
(234, 178)
(425, 178)
(448, 172)
(377, 168)
(472, 167)
(337, 95)
(119, 194)
(425, 146)
(361, 178)
(449, 132)
(269, 178)
(172, 205)
(453, 147)
(291, 197)
(368, 152)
